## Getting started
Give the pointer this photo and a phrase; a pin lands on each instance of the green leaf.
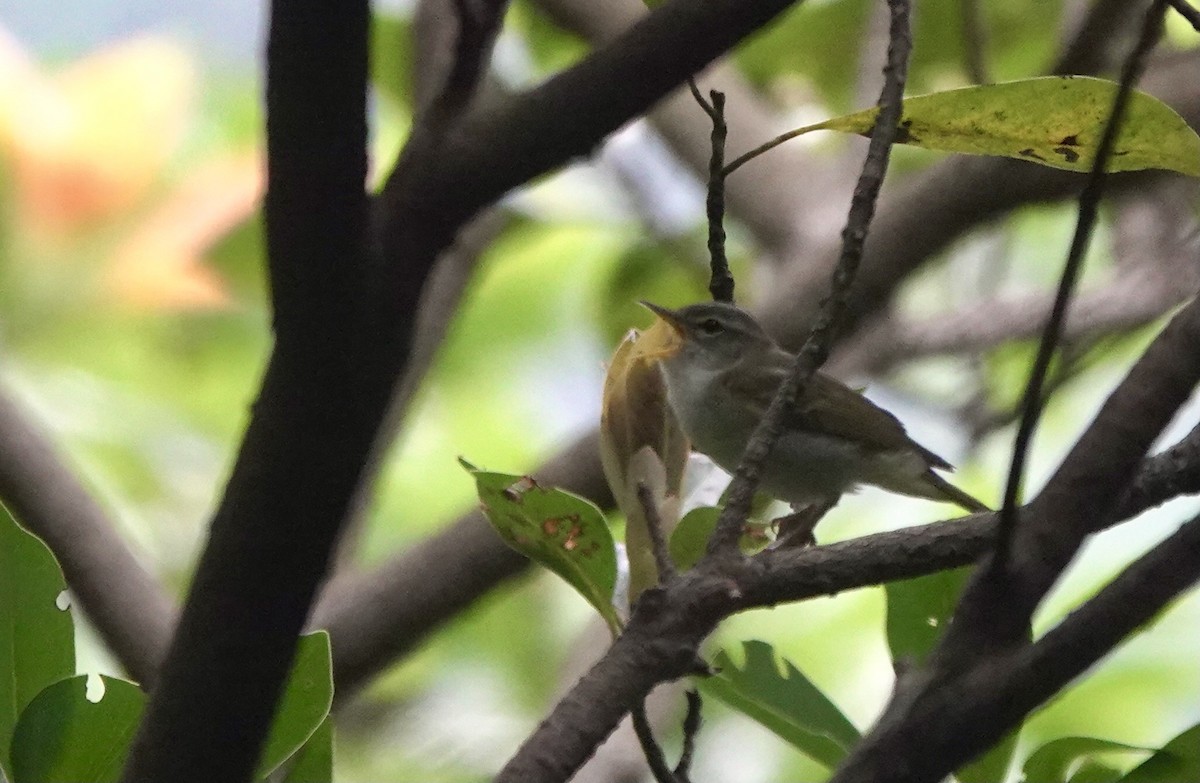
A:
(1178, 760)
(563, 532)
(313, 763)
(993, 765)
(690, 537)
(786, 702)
(1059, 759)
(37, 639)
(305, 703)
(62, 735)
(919, 609)
(1052, 120)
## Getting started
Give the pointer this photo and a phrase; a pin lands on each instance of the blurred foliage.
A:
(133, 325)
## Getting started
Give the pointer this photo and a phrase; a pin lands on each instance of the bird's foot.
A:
(796, 529)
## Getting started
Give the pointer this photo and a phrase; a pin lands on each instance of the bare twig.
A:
(691, 727)
(1089, 205)
(817, 346)
(1184, 9)
(720, 283)
(650, 747)
(654, 524)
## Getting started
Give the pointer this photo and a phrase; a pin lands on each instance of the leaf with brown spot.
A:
(561, 531)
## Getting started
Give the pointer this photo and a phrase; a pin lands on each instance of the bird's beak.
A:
(670, 316)
(661, 345)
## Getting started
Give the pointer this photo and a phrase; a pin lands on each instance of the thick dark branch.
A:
(947, 726)
(128, 606)
(1184, 9)
(568, 115)
(312, 425)
(1095, 473)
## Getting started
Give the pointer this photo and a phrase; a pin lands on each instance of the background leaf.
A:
(37, 639)
(62, 736)
(305, 703)
(919, 609)
(1057, 760)
(1178, 760)
(786, 702)
(563, 532)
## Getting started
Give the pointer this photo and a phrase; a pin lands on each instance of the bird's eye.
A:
(710, 326)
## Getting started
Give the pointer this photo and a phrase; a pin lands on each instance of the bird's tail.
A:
(944, 490)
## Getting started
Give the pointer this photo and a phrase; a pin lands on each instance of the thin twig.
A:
(1187, 12)
(816, 348)
(767, 146)
(691, 727)
(720, 283)
(1089, 203)
(658, 543)
(478, 23)
(654, 754)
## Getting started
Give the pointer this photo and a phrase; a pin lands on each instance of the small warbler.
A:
(723, 372)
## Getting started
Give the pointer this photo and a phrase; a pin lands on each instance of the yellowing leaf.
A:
(1054, 120)
(641, 443)
(563, 532)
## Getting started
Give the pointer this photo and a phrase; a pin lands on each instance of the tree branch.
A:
(948, 725)
(322, 396)
(128, 606)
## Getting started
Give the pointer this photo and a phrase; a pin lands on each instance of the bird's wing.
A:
(829, 407)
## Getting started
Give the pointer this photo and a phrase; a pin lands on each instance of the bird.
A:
(722, 371)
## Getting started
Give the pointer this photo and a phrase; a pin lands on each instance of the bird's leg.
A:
(796, 529)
